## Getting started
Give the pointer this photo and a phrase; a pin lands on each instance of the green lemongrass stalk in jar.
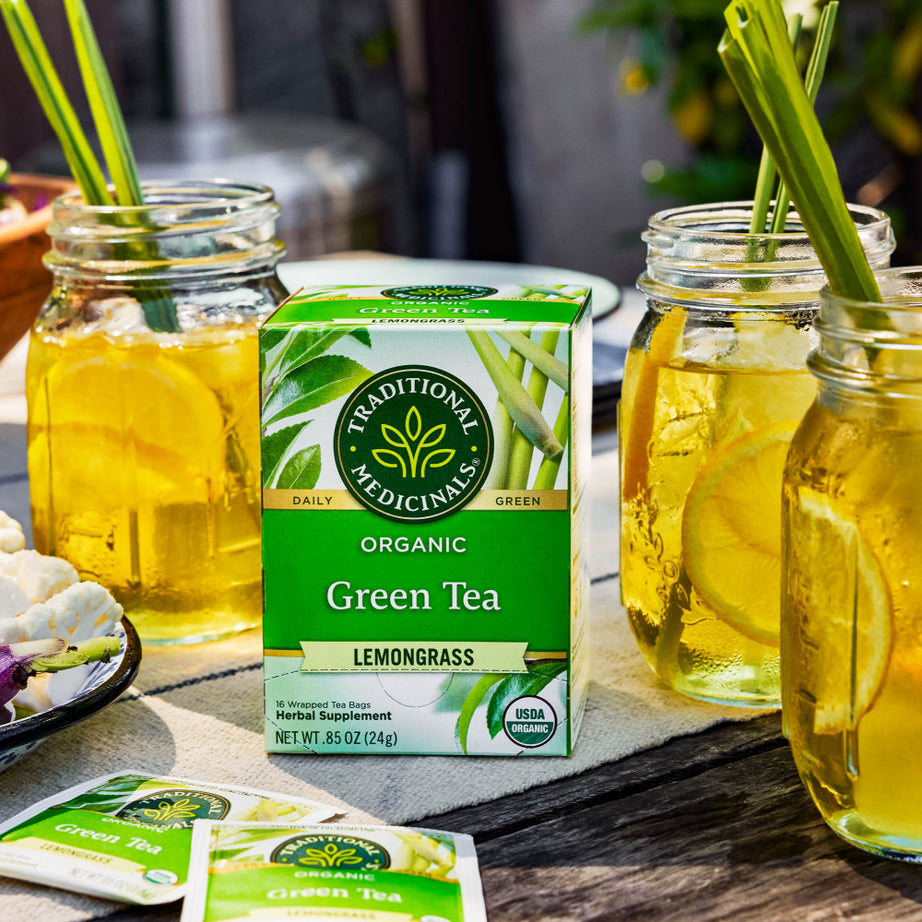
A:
(758, 57)
(816, 67)
(768, 174)
(159, 307)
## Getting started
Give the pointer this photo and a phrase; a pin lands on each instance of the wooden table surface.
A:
(714, 826)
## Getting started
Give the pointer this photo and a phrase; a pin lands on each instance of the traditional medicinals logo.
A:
(413, 444)
(332, 851)
(177, 808)
(439, 292)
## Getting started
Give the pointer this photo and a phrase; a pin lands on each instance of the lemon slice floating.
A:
(110, 406)
(847, 619)
(731, 531)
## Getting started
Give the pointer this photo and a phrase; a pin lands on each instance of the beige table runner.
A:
(197, 713)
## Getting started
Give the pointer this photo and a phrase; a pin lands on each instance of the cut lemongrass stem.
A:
(156, 302)
(542, 359)
(768, 175)
(760, 62)
(814, 77)
(36, 62)
(522, 449)
(515, 398)
(503, 428)
(547, 470)
(107, 115)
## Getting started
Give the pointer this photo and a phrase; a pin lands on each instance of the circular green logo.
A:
(529, 721)
(332, 851)
(177, 808)
(439, 292)
(413, 444)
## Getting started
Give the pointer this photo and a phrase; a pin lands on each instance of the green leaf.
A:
(312, 385)
(475, 696)
(110, 126)
(299, 346)
(301, 470)
(273, 450)
(362, 335)
(519, 685)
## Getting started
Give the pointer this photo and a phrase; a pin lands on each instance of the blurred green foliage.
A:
(872, 79)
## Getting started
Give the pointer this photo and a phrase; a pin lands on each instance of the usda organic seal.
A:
(413, 444)
(529, 721)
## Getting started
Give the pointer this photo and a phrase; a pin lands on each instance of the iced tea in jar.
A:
(715, 384)
(143, 397)
(852, 564)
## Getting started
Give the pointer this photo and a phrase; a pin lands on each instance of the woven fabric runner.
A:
(197, 713)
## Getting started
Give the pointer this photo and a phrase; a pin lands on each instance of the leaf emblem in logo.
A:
(330, 856)
(165, 811)
(411, 456)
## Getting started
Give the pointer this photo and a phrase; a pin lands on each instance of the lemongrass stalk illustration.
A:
(546, 476)
(520, 406)
(542, 358)
(522, 450)
(503, 429)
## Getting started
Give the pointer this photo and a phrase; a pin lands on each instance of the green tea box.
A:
(425, 462)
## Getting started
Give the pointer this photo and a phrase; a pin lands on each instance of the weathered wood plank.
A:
(680, 758)
(739, 841)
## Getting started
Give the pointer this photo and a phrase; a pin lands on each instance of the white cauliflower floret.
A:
(11, 536)
(40, 577)
(13, 602)
(79, 612)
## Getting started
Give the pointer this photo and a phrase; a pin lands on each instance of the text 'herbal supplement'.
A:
(425, 456)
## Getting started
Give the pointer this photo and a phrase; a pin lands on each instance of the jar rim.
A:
(240, 193)
(666, 221)
(898, 303)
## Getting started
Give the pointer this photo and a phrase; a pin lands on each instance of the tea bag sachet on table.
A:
(331, 871)
(127, 836)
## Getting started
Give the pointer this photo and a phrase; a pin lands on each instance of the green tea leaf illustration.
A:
(519, 685)
(320, 381)
(274, 449)
(475, 696)
(109, 797)
(297, 348)
(301, 470)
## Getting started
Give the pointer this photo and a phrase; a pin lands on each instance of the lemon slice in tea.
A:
(731, 531)
(112, 405)
(847, 620)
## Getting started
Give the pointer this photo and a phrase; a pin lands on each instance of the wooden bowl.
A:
(24, 281)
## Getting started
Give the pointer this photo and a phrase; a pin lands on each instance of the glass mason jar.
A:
(852, 593)
(143, 402)
(715, 383)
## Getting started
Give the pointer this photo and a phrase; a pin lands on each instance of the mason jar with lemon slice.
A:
(852, 560)
(715, 383)
(144, 403)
